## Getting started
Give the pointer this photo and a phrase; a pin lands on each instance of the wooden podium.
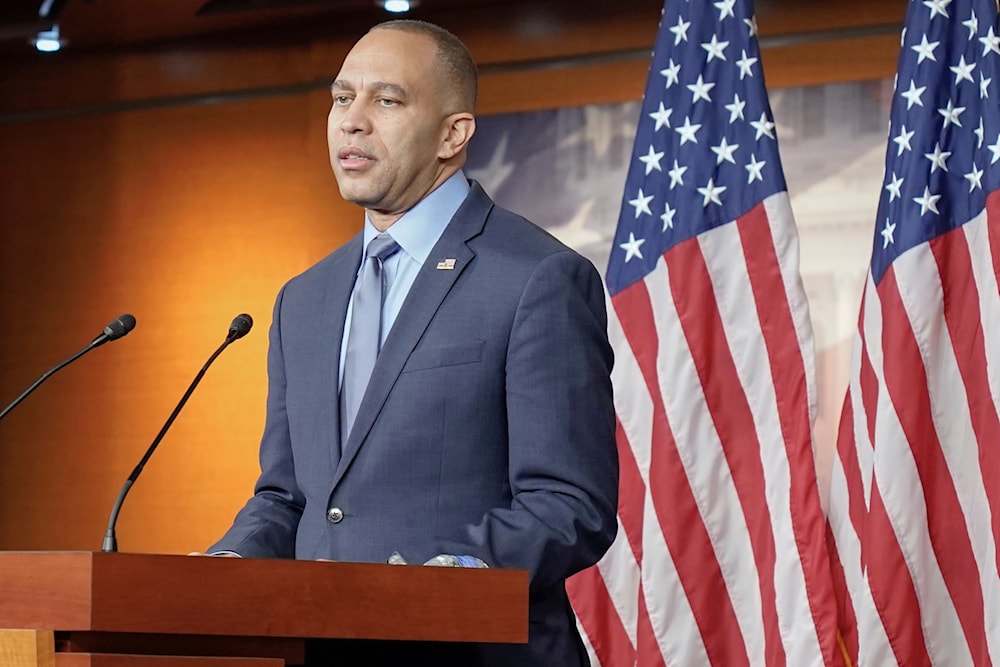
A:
(76, 609)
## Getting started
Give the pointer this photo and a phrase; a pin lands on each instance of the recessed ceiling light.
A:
(397, 6)
(48, 41)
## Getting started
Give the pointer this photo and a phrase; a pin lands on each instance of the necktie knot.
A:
(382, 247)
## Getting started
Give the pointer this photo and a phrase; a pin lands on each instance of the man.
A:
(486, 429)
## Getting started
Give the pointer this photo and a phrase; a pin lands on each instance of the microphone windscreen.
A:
(240, 327)
(120, 326)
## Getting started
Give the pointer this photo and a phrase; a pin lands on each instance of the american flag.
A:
(720, 557)
(915, 489)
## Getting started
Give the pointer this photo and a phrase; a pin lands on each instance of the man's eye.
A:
(341, 99)
(386, 102)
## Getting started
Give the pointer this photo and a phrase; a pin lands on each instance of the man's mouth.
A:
(353, 158)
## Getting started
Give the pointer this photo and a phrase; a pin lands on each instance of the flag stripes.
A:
(710, 556)
(676, 508)
(599, 619)
(735, 433)
(907, 384)
(928, 544)
(783, 315)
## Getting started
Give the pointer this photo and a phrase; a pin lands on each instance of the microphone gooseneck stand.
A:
(239, 328)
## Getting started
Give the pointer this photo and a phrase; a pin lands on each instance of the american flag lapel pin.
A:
(446, 264)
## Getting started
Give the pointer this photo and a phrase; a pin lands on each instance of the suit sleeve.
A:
(267, 524)
(563, 461)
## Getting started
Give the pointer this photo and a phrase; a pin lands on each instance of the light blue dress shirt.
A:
(416, 232)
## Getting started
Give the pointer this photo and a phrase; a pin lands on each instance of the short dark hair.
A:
(453, 56)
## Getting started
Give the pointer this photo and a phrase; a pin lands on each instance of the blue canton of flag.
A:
(706, 150)
(940, 164)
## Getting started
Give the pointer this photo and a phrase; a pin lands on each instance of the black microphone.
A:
(116, 329)
(240, 327)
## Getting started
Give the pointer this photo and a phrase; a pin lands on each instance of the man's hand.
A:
(451, 560)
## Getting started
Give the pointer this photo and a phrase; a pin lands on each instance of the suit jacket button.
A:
(335, 515)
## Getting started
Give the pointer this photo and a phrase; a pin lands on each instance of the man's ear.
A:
(459, 128)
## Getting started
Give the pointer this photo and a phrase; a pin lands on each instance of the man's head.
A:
(453, 59)
(402, 116)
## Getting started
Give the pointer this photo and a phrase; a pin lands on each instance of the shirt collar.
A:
(419, 229)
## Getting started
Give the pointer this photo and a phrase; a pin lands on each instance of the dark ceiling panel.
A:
(111, 25)
(18, 11)
(232, 6)
(19, 19)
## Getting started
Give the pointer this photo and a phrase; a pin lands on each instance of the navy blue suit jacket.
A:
(487, 429)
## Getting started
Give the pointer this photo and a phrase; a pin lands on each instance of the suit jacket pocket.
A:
(445, 355)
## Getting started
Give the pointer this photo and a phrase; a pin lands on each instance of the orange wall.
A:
(184, 217)
(187, 214)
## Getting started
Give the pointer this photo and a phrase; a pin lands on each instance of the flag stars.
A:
(745, 64)
(725, 8)
(995, 150)
(984, 86)
(972, 24)
(711, 193)
(963, 71)
(913, 95)
(763, 126)
(938, 7)
(688, 131)
(887, 233)
(724, 152)
(700, 89)
(927, 201)
(893, 187)
(641, 203)
(715, 49)
(990, 42)
(668, 217)
(975, 178)
(752, 24)
(736, 109)
(754, 169)
(632, 247)
(938, 158)
(651, 160)
(672, 73)
(903, 140)
(676, 175)
(951, 114)
(925, 50)
(662, 117)
(980, 133)
(680, 30)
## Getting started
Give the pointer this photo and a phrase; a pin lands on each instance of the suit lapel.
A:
(344, 272)
(429, 289)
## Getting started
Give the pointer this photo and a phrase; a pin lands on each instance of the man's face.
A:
(388, 122)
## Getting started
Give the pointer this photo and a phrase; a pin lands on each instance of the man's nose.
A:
(354, 119)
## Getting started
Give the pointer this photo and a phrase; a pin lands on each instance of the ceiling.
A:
(115, 25)
(101, 25)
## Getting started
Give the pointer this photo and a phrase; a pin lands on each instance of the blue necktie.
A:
(365, 337)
